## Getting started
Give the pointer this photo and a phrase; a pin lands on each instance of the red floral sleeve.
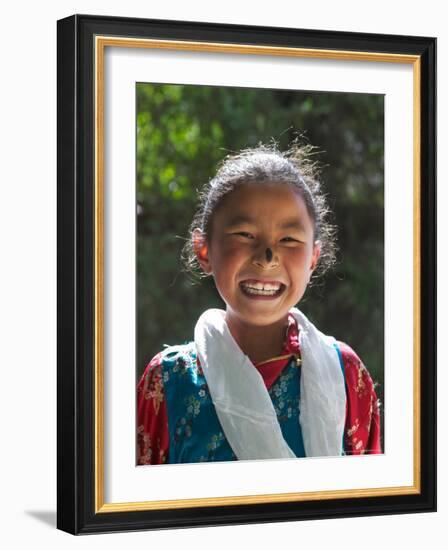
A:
(362, 427)
(152, 419)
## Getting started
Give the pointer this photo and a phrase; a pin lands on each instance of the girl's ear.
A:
(201, 250)
(315, 257)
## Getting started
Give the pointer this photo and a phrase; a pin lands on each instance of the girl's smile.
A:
(262, 290)
(261, 252)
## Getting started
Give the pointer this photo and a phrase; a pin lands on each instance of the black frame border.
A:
(76, 262)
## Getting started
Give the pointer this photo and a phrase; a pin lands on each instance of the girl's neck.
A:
(259, 343)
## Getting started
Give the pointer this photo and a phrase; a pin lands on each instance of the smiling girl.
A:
(259, 380)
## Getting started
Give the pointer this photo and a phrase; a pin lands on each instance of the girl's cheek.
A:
(298, 254)
(234, 248)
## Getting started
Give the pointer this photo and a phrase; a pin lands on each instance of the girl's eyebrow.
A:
(240, 220)
(292, 223)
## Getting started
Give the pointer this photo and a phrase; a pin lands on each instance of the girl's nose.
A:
(265, 257)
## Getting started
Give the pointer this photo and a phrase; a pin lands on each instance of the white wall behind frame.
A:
(28, 274)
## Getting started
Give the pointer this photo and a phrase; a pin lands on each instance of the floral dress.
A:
(177, 421)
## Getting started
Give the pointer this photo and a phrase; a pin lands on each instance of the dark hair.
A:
(261, 165)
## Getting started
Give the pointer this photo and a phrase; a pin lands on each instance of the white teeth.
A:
(262, 286)
(260, 292)
(262, 289)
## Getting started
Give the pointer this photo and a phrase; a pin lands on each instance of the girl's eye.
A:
(289, 240)
(245, 234)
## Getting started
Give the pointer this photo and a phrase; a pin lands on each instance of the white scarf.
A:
(242, 401)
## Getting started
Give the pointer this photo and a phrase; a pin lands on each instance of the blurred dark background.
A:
(184, 131)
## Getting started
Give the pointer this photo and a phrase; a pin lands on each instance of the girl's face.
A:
(261, 252)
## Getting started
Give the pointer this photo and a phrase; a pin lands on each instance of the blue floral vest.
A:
(194, 429)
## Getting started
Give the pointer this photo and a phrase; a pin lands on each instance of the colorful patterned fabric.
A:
(177, 422)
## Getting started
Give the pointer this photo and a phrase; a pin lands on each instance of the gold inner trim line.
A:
(100, 44)
(256, 499)
(417, 271)
(250, 49)
(99, 277)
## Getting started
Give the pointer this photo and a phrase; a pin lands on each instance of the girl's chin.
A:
(259, 312)
(256, 320)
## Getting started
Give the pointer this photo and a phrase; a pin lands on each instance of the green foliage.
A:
(182, 134)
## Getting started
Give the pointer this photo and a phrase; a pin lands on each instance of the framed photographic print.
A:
(209, 176)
